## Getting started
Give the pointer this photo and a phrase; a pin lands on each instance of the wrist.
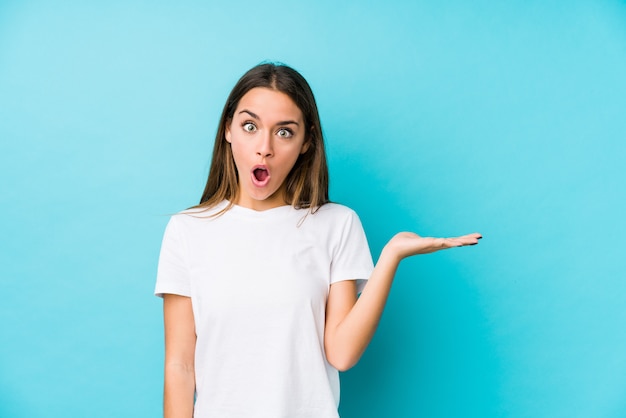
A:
(390, 255)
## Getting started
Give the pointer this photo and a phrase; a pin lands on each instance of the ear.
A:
(227, 131)
(305, 147)
(307, 141)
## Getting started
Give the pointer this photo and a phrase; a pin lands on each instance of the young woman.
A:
(260, 280)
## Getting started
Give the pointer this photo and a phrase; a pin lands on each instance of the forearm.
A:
(349, 339)
(350, 323)
(179, 391)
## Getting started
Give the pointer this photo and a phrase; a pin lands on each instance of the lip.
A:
(265, 181)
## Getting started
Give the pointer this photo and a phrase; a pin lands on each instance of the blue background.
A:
(441, 117)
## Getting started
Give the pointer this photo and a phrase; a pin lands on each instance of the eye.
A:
(249, 127)
(284, 133)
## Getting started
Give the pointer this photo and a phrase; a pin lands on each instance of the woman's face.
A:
(267, 135)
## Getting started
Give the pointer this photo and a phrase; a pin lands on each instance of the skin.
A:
(180, 346)
(267, 129)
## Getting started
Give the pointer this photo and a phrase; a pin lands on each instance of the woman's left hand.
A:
(406, 244)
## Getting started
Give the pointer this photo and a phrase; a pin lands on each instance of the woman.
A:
(260, 280)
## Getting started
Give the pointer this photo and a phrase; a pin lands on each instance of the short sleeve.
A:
(352, 259)
(173, 270)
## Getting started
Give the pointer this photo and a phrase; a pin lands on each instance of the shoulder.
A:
(343, 229)
(204, 212)
(195, 216)
(335, 210)
(334, 215)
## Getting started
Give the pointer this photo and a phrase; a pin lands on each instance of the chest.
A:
(258, 268)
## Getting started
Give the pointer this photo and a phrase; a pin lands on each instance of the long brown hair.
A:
(307, 183)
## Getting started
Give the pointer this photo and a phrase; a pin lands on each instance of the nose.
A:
(265, 147)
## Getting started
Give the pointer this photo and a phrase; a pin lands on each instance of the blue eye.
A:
(284, 133)
(249, 127)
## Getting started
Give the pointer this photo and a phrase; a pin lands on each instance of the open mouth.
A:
(260, 176)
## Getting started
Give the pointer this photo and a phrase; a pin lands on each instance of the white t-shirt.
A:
(258, 283)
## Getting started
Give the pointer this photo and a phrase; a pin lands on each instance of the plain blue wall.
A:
(441, 117)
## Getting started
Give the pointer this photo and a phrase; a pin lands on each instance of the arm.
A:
(351, 322)
(180, 345)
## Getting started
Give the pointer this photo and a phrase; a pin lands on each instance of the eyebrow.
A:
(255, 116)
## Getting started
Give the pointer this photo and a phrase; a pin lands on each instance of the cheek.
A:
(237, 154)
(290, 160)
(236, 143)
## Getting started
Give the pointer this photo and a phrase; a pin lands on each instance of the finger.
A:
(444, 243)
(456, 242)
(470, 240)
(474, 235)
(465, 240)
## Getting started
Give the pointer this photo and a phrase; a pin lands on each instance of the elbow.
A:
(342, 367)
(342, 361)
(179, 368)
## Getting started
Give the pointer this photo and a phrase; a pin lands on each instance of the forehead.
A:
(268, 103)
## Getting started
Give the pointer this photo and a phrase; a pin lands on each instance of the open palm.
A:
(406, 244)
